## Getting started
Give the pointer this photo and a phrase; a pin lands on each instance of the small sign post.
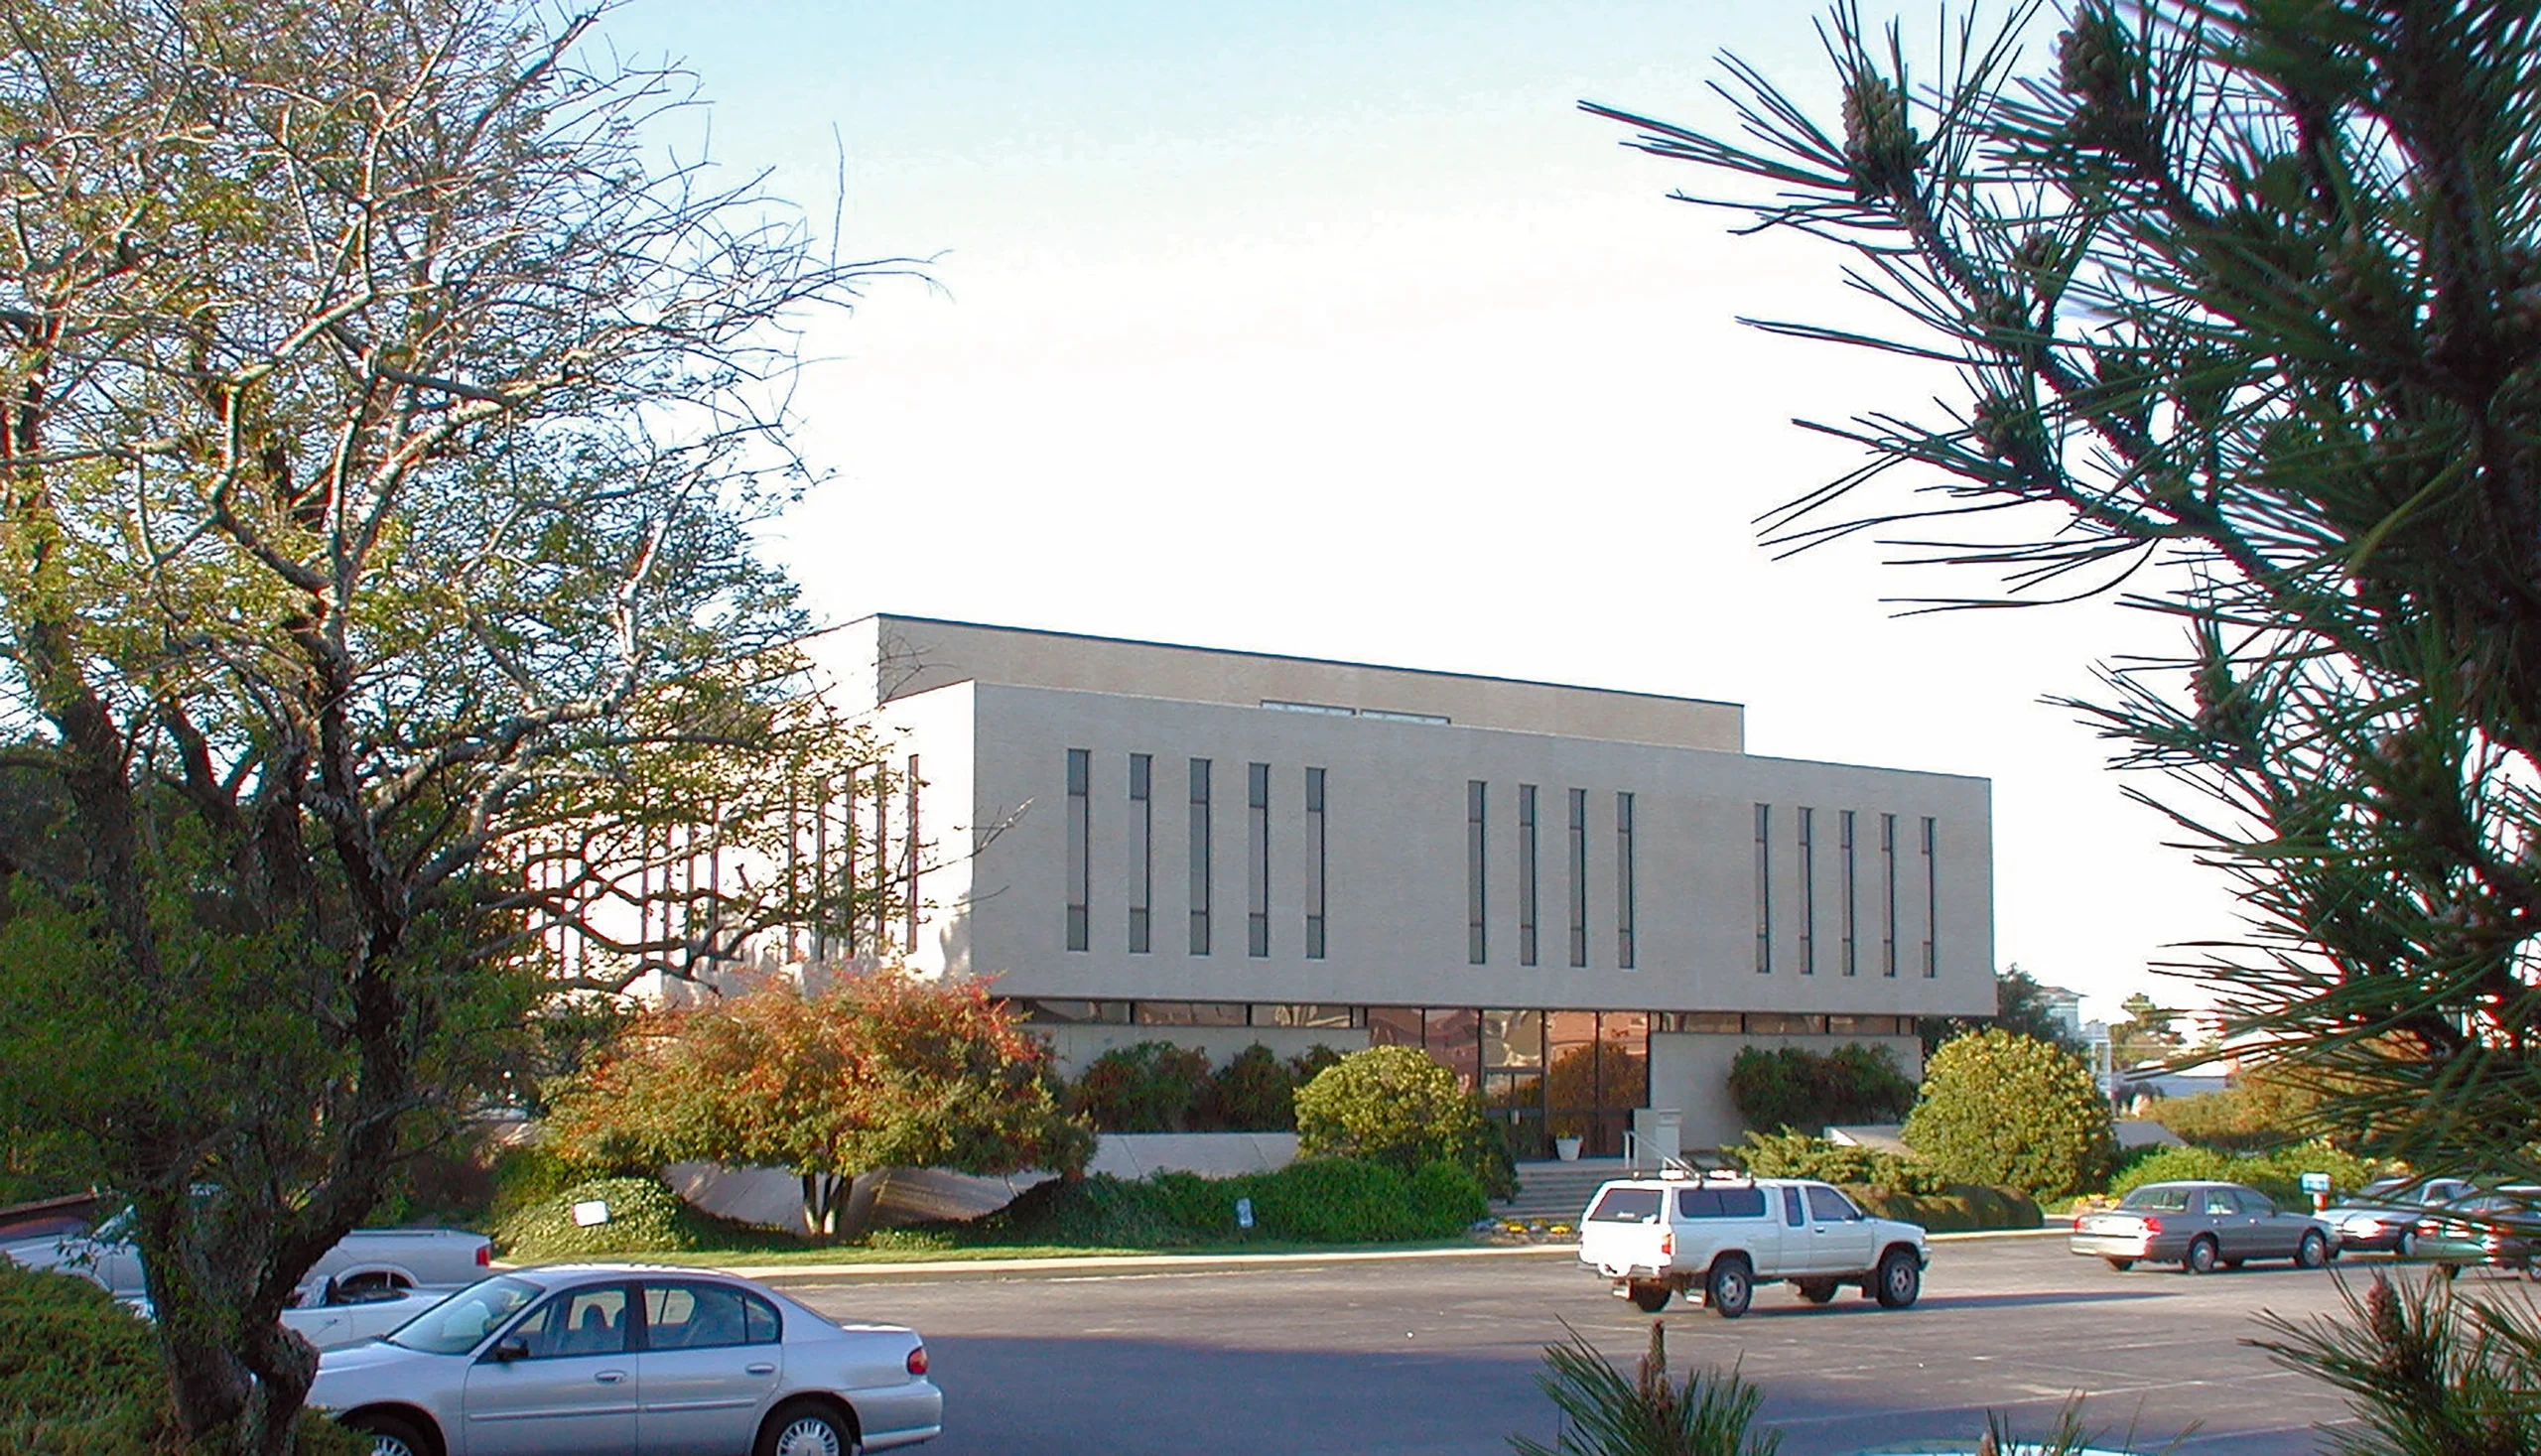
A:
(1243, 1213)
(590, 1212)
(2318, 1185)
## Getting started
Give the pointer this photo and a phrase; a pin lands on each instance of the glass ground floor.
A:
(1543, 1074)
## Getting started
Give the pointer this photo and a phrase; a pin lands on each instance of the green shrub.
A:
(80, 1375)
(1798, 1156)
(2008, 1109)
(2277, 1174)
(1254, 1092)
(644, 1217)
(1958, 1208)
(1791, 1088)
(1153, 1087)
(528, 1174)
(1394, 1105)
(1097, 1211)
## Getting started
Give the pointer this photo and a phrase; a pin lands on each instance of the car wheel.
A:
(805, 1430)
(2121, 1265)
(1649, 1298)
(1730, 1285)
(1815, 1291)
(390, 1436)
(2406, 1246)
(2312, 1252)
(1900, 1278)
(2202, 1256)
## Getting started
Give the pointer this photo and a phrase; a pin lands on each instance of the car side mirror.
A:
(507, 1351)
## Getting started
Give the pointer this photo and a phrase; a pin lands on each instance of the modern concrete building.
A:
(1585, 901)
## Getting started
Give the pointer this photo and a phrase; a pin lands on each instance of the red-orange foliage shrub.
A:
(880, 1071)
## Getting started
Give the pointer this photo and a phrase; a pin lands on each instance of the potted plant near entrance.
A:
(1567, 1135)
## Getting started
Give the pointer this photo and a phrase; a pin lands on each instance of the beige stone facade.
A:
(1128, 836)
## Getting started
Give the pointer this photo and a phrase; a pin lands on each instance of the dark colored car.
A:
(2200, 1226)
(2500, 1229)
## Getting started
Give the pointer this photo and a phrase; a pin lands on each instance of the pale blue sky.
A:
(1335, 329)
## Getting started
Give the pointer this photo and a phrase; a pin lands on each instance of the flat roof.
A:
(1474, 677)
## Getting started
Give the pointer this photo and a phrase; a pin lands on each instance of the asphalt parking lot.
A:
(1440, 1356)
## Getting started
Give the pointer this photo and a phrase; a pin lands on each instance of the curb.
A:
(782, 1274)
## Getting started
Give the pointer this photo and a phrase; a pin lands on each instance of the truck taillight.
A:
(918, 1361)
(1668, 1244)
(484, 1256)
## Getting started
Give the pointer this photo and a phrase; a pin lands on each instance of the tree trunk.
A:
(820, 1204)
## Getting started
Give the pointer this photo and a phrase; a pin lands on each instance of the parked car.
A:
(370, 1282)
(1653, 1238)
(2199, 1226)
(2383, 1215)
(2500, 1228)
(593, 1358)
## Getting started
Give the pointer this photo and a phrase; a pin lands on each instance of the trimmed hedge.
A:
(1959, 1208)
(80, 1375)
(1327, 1199)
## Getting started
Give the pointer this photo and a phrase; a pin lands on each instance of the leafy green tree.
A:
(879, 1071)
(2237, 306)
(2003, 1108)
(2021, 1006)
(382, 439)
(1394, 1105)
(2146, 1036)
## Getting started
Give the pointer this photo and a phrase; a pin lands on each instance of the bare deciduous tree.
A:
(381, 438)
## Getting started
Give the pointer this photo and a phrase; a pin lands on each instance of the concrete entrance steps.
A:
(1557, 1192)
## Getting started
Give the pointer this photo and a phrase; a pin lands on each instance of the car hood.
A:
(371, 1354)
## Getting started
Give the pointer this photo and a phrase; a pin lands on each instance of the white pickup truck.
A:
(367, 1284)
(1723, 1236)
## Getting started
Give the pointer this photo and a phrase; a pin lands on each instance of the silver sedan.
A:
(2200, 1226)
(601, 1359)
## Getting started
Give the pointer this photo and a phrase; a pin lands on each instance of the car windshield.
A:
(457, 1324)
(2157, 1199)
(2380, 1191)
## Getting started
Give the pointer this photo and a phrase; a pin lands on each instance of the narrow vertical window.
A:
(1527, 892)
(1080, 831)
(1476, 943)
(1931, 905)
(1622, 881)
(1852, 897)
(1764, 889)
(1141, 852)
(1808, 891)
(908, 802)
(1888, 880)
(1257, 852)
(881, 857)
(1199, 857)
(1578, 876)
(1316, 881)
